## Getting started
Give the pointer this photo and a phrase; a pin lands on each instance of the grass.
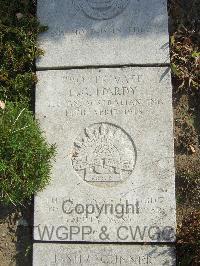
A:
(18, 50)
(25, 156)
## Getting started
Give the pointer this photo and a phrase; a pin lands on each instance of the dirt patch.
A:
(187, 161)
(15, 236)
(186, 99)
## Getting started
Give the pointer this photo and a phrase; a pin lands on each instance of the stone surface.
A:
(64, 255)
(113, 178)
(100, 32)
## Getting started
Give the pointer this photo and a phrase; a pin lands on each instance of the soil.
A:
(16, 225)
(16, 236)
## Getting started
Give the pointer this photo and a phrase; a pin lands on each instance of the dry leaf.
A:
(192, 149)
(2, 105)
(19, 15)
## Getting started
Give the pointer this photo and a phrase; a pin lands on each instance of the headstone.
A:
(98, 255)
(114, 164)
(103, 32)
(104, 97)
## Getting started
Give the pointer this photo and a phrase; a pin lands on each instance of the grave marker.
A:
(114, 164)
(117, 32)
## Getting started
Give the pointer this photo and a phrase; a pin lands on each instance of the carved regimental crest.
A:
(102, 9)
(104, 154)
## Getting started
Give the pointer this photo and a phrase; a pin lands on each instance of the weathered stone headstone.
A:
(114, 164)
(110, 32)
(113, 177)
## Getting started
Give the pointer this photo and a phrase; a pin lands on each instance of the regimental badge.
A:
(104, 153)
(102, 9)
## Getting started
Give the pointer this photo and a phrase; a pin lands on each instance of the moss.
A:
(18, 50)
(24, 153)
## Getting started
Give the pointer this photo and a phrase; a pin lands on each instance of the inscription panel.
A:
(64, 255)
(113, 178)
(116, 31)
